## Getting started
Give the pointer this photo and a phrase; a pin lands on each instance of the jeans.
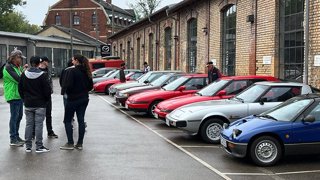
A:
(49, 117)
(16, 111)
(79, 107)
(34, 118)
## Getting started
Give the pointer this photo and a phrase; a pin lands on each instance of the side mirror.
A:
(94, 74)
(114, 77)
(309, 119)
(181, 88)
(222, 93)
(146, 82)
(262, 100)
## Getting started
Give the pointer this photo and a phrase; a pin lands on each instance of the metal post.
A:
(306, 49)
(97, 34)
(112, 18)
(71, 26)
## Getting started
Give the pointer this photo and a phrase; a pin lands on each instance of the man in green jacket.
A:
(11, 77)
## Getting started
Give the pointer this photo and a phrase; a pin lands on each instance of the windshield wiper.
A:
(239, 99)
(163, 88)
(268, 116)
(198, 93)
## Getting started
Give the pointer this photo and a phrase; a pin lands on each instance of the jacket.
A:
(214, 74)
(46, 70)
(34, 88)
(11, 78)
(122, 75)
(76, 83)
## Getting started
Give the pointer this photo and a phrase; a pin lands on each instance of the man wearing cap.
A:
(44, 64)
(35, 91)
(213, 72)
(11, 78)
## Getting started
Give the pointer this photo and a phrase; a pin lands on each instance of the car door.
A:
(234, 88)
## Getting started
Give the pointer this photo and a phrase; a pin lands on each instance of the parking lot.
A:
(124, 145)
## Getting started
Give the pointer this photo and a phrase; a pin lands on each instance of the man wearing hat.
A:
(11, 78)
(43, 66)
(213, 72)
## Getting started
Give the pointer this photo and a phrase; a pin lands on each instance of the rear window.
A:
(97, 65)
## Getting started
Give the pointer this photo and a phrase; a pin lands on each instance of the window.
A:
(129, 54)
(235, 87)
(94, 19)
(229, 40)
(292, 39)
(195, 84)
(76, 20)
(121, 51)
(167, 47)
(192, 45)
(58, 20)
(280, 94)
(150, 53)
(138, 53)
(3, 53)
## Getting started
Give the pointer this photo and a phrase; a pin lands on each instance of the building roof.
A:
(117, 10)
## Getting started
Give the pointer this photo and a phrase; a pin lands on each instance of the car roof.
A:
(280, 83)
(134, 70)
(196, 75)
(308, 96)
(249, 77)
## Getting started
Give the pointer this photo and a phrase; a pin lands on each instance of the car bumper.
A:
(160, 114)
(98, 89)
(235, 149)
(120, 100)
(137, 107)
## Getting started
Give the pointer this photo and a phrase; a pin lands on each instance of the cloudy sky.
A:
(35, 10)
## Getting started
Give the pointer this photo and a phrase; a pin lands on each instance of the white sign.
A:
(267, 59)
(214, 61)
(317, 60)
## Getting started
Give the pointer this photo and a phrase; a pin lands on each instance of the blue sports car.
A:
(292, 127)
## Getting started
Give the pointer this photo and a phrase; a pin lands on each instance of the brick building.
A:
(84, 15)
(241, 37)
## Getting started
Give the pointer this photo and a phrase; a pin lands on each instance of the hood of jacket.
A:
(33, 73)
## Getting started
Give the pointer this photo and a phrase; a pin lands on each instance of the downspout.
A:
(208, 34)
(306, 51)
(156, 53)
(176, 39)
(255, 37)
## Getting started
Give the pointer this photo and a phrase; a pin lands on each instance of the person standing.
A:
(44, 66)
(146, 67)
(11, 77)
(213, 72)
(35, 91)
(121, 73)
(77, 82)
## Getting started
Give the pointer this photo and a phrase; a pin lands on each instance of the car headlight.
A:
(123, 94)
(236, 133)
(166, 110)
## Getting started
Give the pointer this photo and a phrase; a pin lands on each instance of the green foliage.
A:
(16, 22)
(6, 6)
(144, 8)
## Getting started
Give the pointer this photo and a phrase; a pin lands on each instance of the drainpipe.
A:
(306, 49)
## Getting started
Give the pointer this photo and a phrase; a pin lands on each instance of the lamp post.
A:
(71, 35)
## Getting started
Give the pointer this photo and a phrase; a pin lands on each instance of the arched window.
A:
(120, 51)
(192, 45)
(229, 40)
(138, 53)
(150, 58)
(167, 47)
(58, 20)
(129, 54)
(94, 19)
(291, 39)
(76, 20)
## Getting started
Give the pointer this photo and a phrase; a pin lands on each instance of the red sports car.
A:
(224, 88)
(148, 100)
(103, 87)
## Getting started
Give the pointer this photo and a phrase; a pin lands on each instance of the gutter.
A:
(306, 50)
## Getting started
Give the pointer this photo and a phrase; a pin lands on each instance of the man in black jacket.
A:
(121, 73)
(44, 64)
(35, 91)
(213, 72)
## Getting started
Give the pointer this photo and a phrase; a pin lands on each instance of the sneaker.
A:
(78, 146)
(21, 140)
(67, 146)
(42, 150)
(52, 135)
(28, 150)
(16, 143)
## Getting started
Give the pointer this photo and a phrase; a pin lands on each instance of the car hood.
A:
(135, 90)
(150, 95)
(124, 86)
(107, 82)
(181, 101)
(207, 105)
(99, 79)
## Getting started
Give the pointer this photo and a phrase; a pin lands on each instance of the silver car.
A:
(207, 118)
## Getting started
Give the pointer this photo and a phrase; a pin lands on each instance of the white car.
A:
(207, 118)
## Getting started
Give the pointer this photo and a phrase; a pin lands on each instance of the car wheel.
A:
(152, 107)
(265, 151)
(106, 90)
(211, 129)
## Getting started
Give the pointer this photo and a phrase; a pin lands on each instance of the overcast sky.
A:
(35, 10)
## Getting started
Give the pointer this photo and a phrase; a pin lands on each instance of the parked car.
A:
(114, 75)
(223, 88)
(292, 128)
(143, 81)
(101, 72)
(110, 61)
(103, 86)
(207, 118)
(122, 96)
(147, 101)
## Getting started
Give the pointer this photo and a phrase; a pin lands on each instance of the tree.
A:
(144, 8)
(7, 6)
(16, 22)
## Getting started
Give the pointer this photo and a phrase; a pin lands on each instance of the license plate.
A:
(126, 106)
(167, 122)
(223, 142)
(156, 115)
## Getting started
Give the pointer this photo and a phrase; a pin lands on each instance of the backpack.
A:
(1, 70)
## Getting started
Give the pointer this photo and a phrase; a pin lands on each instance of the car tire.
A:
(152, 107)
(265, 151)
(106, 89)
(211, 129)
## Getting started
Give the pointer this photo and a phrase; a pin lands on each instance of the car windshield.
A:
(145, 77)
(213, 88)
(252, 93)
(111, 73)
(288, 110)
(160, 80)
(175, 84)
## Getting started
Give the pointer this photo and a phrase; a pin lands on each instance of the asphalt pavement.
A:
(123, 145)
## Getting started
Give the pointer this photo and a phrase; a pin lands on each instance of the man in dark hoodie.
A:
(35, 91)
(44, 64)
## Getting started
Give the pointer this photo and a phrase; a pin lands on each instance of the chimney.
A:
(109, 1)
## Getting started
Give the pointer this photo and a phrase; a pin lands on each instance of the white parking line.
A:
(199, 146)
(172, 143)
(272, 174)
